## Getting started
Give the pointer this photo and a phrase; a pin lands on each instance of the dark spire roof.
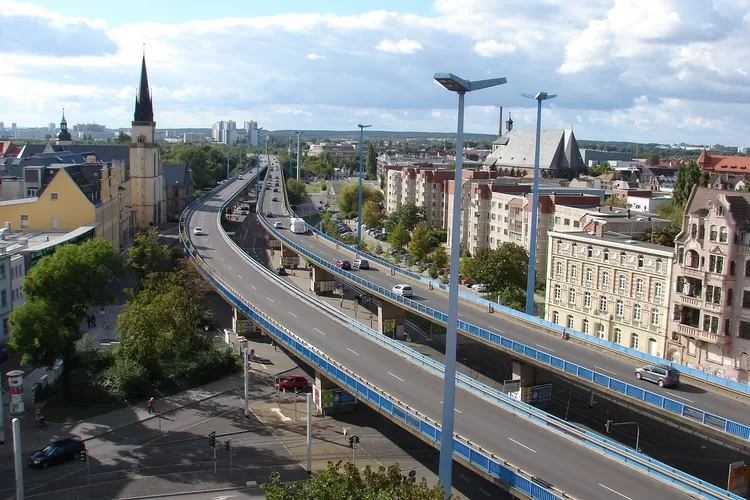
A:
(144, 108)
(63, 134)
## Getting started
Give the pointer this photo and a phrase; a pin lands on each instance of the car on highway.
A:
(275, 190)
(275, 199)
(268, 188)
(403, 290)
(280, 271)
(197, 231)
(361, 264)
(64, 450)
(661, 374)
(343, 264)
(292, 383)
(277, 225)
(241, 177)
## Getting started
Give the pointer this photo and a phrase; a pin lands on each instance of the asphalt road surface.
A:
(569, 466)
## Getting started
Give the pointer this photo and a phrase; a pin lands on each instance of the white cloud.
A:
(403, 46)
(649, 70)
(492, 48)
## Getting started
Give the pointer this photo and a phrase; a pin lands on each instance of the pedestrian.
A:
(151, 406)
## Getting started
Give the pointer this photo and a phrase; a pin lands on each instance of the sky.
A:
(663, 71)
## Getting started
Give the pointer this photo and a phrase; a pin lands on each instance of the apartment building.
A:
(430, 195)
(610, 286)
(393, 178)
(709, 325)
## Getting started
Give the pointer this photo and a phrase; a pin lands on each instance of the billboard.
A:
(335, 397)
(738, 478)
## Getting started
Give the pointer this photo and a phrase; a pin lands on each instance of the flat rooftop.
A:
(23, 239)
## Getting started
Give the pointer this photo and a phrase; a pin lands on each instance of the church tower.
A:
(63, 136)
(147, 190)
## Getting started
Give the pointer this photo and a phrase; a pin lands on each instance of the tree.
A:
(615, 202)
(206, 162)
(371, 161)
(147, 255)
(599, 169)
(665, 236)
(408, 214)
(59, 290)
(372, 215)
(439, 257)
(399, 237)
(420, 241)
(344, 481)
(123, 138)
(653, 159)
(295, 190)
(505, 267)
(687, 176)
(349, 197)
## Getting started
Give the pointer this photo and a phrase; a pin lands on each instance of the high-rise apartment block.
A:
(224, 132)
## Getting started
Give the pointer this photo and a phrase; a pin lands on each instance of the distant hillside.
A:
(379, 134)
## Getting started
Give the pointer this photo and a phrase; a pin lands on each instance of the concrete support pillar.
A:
(529, 375)
(391, 320)
(329, 399)
(321, 281)
(289, 258)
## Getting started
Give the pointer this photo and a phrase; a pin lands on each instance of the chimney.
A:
(500, 125)
(599, 228)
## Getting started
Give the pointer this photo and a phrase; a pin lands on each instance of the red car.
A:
(343, 264)
(292, 383)
(269, 215)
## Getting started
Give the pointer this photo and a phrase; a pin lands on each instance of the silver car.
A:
(663, 375)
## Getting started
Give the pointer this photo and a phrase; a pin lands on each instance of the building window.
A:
(585, 326)
(634, 341)
(637, 313)
(618, 336)
(24, 220)
(659, 266)
(574, 272)
(600, 330)
(589, 252)
(572, 296)
(559, 246)
(622, 258)
(744, 330)
(605, 278)
(603, 304)
(570, 321)
(713, 234)
(606, 255)
(658, 290)
(723, 235)
(716, 264)
(558, 270)
(639, 285)
(53, 196)
(621, 282)
(589, 275)
(3, 298)
(555, 317)
(655, 317)
(587, 299)
(746, 299)
(619, 308)
(710, 323)
(713, 294)
(557, 292)
(640, 262)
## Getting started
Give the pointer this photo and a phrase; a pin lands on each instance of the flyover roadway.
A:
(571, 351)
(571, 467)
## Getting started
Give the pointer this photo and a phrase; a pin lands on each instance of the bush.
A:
(200, 366)
(323, 186)
(125, 379)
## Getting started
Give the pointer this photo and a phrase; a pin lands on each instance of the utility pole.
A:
(227, 133)
(309, 433)
(290, 157)
(247, 409)
(299, 153)
(610, 423)
(18, 456)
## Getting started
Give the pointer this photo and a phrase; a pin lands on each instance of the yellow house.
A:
(67, 197)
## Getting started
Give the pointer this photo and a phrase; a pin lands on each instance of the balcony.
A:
(713, 338)
(689, 301)
(743, 249)
(692, 271)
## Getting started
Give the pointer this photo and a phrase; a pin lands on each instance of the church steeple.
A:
(144, 108)
(63, 136)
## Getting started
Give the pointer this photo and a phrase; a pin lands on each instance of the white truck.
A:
(298, 226)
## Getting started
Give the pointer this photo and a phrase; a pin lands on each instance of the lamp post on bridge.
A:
(257, 163)
(359, 205)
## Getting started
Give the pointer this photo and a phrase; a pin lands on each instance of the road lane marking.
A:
(532, 450)
(614, 491)
(604, 370)
(484, 491)
(454, 408)
(229, 267)
(240, 277)
(679, 397)
(290, 312)
(222, 258)
(463, 477)
(283, 417)
(269, 298)
(396, 377)
(353, 352)
(545, 348)
(253, 287)
(319, 332)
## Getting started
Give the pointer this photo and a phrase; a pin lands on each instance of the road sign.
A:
(738, 478)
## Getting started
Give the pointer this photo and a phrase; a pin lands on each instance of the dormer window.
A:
(719, 210)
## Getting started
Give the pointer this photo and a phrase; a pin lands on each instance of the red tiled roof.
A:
(724, 164)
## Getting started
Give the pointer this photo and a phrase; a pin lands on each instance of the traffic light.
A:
(608, 426)
(353, 440)
(227, 445)
(212, 439)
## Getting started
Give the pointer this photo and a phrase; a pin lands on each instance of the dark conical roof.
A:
(144, 108)
(63, 134)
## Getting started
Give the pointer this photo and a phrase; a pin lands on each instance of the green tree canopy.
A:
(345, 481)
(208, 162)
(349, 197)
(408, 214)
(420, 242)
(399, 237)
(147, 255)
(664, 236)
(372, 215)
(653, 159)
(371, 161)
(295, 190)
(505, 267)
(123, 138)
(439, 257)
(60, 290)
(687, 176)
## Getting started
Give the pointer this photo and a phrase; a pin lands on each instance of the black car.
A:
(275, 199)
(281, 271)
(64, 450)
(4, 354)
(275, 190)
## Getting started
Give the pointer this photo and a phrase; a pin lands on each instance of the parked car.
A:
(4, 353)
(343, 264)
(280, 271)
(663, 375)
(277, 225)
(467, 282)
(480, 287)
(361, 264)
(292, 383)
(403, 290)
(275, 199)
(71, 448)
(198, 231)
(269, 215)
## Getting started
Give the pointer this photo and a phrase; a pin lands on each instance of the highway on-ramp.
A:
(573, 352)
(571, 467)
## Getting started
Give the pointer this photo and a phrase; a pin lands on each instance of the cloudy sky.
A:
(640, 70)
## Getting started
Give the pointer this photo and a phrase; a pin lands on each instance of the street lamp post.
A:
(290, 157)
(267, 158)
(227, 133)
(461, 87)
(531, 279)
(299, 152)
(257, 163)
(359, 205)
